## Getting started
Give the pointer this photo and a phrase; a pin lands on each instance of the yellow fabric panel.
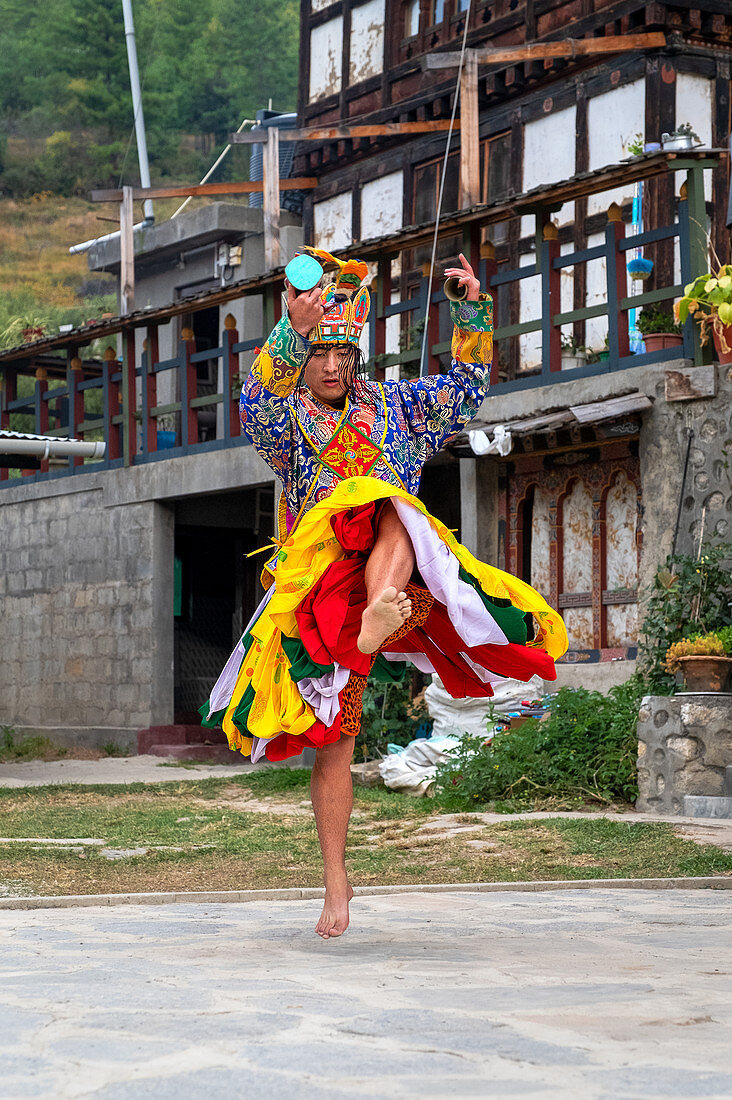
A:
(278, 706)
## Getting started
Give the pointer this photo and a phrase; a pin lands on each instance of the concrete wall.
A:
(86, 594)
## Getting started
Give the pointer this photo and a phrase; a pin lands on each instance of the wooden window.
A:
(495, 178)
(411, 18)
(437, 12)
(426, 188)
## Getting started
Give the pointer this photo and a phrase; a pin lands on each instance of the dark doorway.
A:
(439, 491)
(217, 587)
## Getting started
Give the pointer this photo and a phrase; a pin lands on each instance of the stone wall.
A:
(86, 594)
(684, 747)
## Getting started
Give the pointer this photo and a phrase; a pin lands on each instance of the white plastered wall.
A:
(694, 99)
(367, 41)
(613, 120)
(326, 48)
(530, 344)
(549, 156)
(333, 222)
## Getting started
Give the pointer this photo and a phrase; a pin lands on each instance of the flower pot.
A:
(723, 356)
(656, 341)
(570, 360)
(603, 356)
(706, 673)
(166, 440)
(674, 144)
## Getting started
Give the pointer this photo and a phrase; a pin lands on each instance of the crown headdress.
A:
(345, 300)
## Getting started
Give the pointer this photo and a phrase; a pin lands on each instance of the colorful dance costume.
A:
(296, 678)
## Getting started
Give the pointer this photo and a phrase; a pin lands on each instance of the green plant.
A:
(708, 299)
(684, 129)
(635, 145)
(585, 749)
(389, 715)
(652, 319)
(687, 594)
(699, 645)
(573, 347)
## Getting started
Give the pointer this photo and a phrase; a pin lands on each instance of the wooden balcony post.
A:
(149, 390)
(230, 373)
(7, 394)
(111, 406)
(74, 375)
(42, 409)
(551, 302)
(433, 322)
(129, 397)
(693, 255)
(188, 389)
(617, 286)
(383, 299)
(490, 270)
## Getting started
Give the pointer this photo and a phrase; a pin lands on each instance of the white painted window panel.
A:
(326, 56)
(613, 120)
(367, 41)
(381, 205)
(333, 222)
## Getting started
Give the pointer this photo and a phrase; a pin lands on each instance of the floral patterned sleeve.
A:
(438, 406)
(264, 409)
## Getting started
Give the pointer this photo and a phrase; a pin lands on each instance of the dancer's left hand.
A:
(467, 278)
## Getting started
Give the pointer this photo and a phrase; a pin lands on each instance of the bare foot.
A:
(334, 918)
(381, 618)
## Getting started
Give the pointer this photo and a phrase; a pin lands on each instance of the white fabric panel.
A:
(223, 689)
(439, 568)
(322, 693)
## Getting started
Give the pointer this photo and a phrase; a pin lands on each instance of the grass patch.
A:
(200, 834)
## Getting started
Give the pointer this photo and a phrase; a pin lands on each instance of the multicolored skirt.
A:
(296, 678)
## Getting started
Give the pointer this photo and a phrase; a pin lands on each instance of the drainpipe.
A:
(51, 448)
(137, 107)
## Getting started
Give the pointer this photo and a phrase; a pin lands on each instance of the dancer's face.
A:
(324, 373)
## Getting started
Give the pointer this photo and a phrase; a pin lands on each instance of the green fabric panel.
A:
(240, 715)
(388, 672)
(301, 663)
(211, 720)
(511, 620)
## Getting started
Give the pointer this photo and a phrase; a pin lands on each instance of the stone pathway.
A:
(112, 769)
(596, 994)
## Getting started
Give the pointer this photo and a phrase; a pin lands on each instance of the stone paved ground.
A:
(121, 769)
(595, 994)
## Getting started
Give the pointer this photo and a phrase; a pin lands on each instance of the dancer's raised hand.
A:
(466, 276)
(305, 310)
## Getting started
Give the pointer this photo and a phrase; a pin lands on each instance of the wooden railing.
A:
(131, 428)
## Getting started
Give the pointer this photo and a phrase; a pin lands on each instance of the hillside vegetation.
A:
(65, 104)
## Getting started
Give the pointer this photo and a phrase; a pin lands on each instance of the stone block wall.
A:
(86, 594)
(684, 747)
(80, 593)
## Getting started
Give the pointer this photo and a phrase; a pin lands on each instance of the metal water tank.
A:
(289, 200)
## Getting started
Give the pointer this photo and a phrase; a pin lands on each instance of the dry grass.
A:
(256, 831)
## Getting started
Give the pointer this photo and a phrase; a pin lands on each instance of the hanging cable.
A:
(422, 356)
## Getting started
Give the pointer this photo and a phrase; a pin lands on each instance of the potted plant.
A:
(603, 354)
(658, 328)
(709, 301)
(704, 660)
(574, 354)
(166, 431)
(683, 137)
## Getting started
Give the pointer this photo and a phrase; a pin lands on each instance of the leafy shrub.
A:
(585, 749)
(686, 595)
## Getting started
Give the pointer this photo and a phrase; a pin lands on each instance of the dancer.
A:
(364, 579)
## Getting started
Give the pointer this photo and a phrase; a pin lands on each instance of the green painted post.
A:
(698, 245)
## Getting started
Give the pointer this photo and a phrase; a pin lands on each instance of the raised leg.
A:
(331, 791)
(388, 570)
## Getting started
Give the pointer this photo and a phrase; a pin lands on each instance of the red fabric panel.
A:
(286, 745)
(329, 618)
